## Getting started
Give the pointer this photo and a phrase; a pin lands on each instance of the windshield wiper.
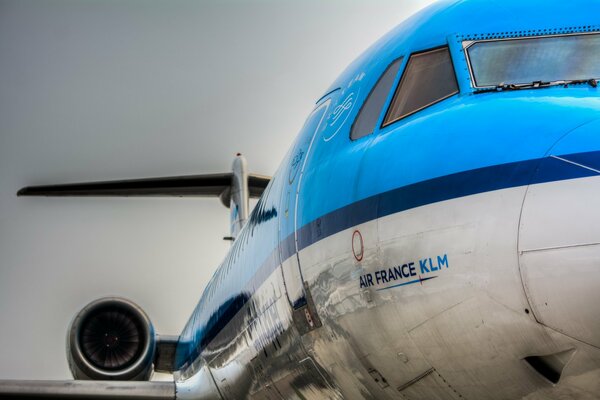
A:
(537, 85)
(592, 82)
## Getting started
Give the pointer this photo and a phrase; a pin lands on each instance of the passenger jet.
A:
(432, 233)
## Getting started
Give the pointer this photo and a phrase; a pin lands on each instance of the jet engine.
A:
(111, 339)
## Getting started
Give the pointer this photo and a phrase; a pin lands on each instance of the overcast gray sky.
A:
(98, 90)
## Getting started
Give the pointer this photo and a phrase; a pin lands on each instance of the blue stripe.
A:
(476, 181)
(589, 160)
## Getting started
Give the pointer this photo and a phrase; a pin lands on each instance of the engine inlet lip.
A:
(130, 370)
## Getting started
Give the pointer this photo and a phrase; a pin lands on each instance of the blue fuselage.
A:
(468, 144)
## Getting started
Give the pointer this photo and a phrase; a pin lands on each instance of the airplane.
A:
(432, 233)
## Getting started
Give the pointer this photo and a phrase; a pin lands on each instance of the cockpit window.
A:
(371, 110)
(429, 78)
(540, 59)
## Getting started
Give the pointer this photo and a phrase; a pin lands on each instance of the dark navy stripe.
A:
(461, 184)
(588, 160)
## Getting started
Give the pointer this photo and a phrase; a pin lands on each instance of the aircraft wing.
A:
(86, 390)
(178, 186)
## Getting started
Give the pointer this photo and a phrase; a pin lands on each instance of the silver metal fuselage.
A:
(515, 276)
(444, 257)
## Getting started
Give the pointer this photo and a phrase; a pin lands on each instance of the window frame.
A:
(404, 71)
(402, 63)
(466, 44)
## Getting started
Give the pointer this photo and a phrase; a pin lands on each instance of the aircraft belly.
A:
(434, 306)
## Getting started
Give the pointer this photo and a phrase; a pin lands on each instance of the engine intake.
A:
(111, 339)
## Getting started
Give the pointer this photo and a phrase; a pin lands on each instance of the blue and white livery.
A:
(434, 230)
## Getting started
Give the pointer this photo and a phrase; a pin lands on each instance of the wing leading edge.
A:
(86, 390)
(176, 186)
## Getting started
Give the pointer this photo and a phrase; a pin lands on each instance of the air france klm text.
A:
(420, 270)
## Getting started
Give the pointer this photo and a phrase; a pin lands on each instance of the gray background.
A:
(94, 90)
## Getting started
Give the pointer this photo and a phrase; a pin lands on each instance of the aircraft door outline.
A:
(290, 262)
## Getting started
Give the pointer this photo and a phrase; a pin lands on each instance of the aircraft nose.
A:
(559, 237)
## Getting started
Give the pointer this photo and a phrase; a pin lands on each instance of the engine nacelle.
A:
(111, 339)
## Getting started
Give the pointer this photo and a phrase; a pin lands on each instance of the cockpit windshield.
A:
(548, 59)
